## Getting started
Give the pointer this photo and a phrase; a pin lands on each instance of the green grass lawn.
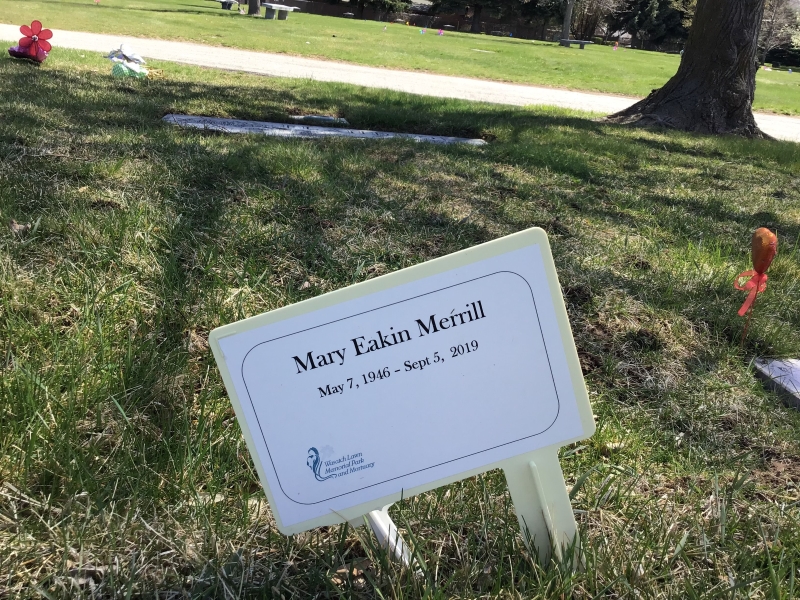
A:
(123, 472)
(597, 68)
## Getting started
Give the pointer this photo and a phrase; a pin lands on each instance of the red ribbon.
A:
(757, 283)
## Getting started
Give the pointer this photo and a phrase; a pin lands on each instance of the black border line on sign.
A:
(544, 343)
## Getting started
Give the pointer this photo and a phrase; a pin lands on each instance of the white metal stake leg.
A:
(545, 519)
(388, 535)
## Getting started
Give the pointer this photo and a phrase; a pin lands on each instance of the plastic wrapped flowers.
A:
(34, 45)
(126, 63)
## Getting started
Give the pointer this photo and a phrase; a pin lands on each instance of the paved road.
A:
(281, 65)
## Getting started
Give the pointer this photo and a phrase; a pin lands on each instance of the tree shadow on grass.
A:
(239, 224)
(205, 167)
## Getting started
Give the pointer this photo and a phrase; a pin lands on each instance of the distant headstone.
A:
(782, 376)
(305, 131)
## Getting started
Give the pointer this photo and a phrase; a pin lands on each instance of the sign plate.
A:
(403, 383)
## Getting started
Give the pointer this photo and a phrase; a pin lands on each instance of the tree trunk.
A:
(567, 20)
(476, 18)
(360, 9)
(712, 92)
(253, 7)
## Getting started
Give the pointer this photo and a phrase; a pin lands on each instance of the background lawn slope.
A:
(122, 468)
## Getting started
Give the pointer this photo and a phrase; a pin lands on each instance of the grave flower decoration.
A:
(126, 62)
(764, 247)
(34, 46)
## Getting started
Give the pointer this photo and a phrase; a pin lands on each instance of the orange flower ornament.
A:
(764, 249)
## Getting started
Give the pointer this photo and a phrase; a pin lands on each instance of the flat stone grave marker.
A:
(319, 119)
(306, 131)
(782, 376)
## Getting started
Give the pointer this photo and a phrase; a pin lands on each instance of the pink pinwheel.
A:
(34, 45)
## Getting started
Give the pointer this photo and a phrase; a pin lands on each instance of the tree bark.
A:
(565, 27)
(476, 19)
(712, 92)
(253, 7)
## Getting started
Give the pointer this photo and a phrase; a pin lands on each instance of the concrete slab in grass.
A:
(306, 131)
(782, 376)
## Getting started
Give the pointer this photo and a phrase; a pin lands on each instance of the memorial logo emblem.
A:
(338, 467)
(315, 464)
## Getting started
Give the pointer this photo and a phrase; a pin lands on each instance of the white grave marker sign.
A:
(401, 384)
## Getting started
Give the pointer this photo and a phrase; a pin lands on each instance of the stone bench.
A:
(282, 10)
(568, 43)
